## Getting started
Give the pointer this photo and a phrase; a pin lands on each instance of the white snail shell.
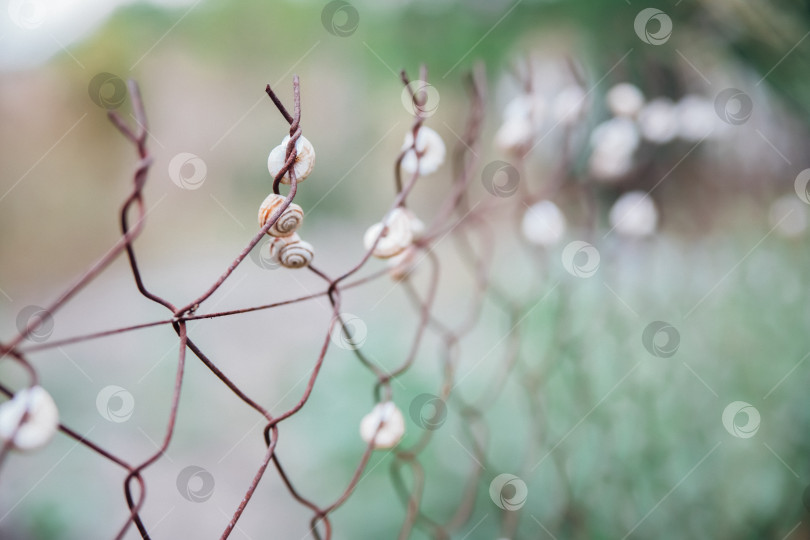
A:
(392, 429)
(304, 159)
(417, 225)
(514, 135)
(396, 231)
(634, 214)
(401, 266)
(625, 99)
(291, 251)
(39, 425)
(287, 223)
(431, 148)
(543, 224)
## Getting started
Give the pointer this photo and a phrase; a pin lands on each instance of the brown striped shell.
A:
(291, 251)
(287, 223)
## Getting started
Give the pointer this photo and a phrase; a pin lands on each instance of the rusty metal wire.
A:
(457, 218)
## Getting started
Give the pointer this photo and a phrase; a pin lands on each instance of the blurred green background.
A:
(610, 440)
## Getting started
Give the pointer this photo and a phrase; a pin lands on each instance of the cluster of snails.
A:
(287, 247)
(29, 420)
(394, 237)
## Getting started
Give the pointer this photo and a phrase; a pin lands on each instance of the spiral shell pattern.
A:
(304, 159)
(395, 234)
(287, 223)
(297, 254)
(291, 251)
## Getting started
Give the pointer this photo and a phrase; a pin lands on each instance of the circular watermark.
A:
(27, 14)
(731, 414)
(428, 411)
(263, 256)
(646, 19)
(661, 339)
(351, 333)
(733, 106)
(107, 90)
(32, 314)
(340, 18)
(115, 404)
(195, 484)
(500, 178)
(801, 185)
(420, 98)
(508, 492)
(580, 259)
(187, 170)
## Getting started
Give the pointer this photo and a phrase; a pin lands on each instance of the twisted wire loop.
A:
(457, 218)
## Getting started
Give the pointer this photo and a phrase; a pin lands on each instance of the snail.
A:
(522, 118)
(634, 214)
(401, 265)
(304, 159)
(625, 99)
(430, 149)
(40, 419)
(417, 226)
(391, 430)
(291, 251)
(543, 224)
(395, 234)
(287, 223)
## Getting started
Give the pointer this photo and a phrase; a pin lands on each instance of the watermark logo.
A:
(428, 411)
(661, 339)
(115, 404)
(732, 415)
(187, 170)
(580, 259)
(801, 184)
(420, 98)
(653, 26)
(35, 314)
(733, 106)
(27, 14)
(340, 18)
(195, 484)
(500, 179)
(263, 257)
(107, 90)
(351, 334)
(508, 492)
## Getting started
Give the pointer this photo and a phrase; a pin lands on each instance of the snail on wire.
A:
(34, 411)
(289, 221)
(304, 159)
(396, 233)
(291, 252)
(426, 154)
(391, 425)
(287, 247)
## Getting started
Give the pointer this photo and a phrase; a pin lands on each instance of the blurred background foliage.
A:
(619, 436)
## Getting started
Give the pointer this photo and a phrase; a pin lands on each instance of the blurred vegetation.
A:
(609, 467)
